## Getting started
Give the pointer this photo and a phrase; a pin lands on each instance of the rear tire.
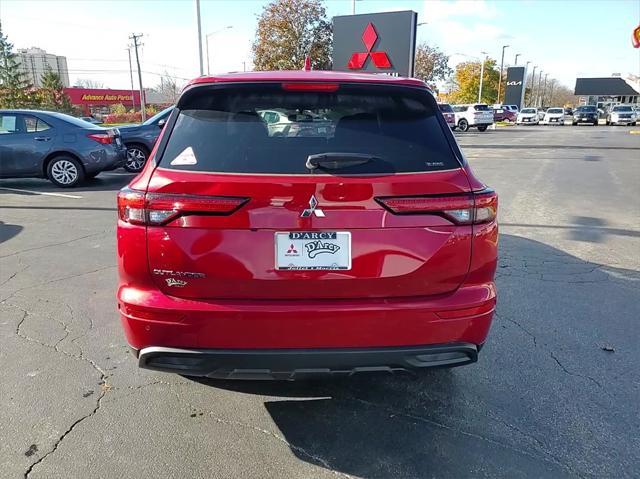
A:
(65, 172)
(574, 123)
(463, 125)
(482, 128)
(136, 158)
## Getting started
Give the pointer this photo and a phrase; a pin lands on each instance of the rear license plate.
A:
(313, 250)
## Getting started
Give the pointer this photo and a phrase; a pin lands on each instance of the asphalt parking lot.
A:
(554, 394)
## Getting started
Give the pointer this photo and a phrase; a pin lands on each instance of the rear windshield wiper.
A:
(334, 161)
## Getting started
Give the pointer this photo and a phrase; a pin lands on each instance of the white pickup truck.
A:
(474, 115)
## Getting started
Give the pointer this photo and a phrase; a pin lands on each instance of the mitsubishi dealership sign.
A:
(375, 43)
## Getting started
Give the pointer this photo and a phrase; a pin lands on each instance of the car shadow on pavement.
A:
(542, 379)
(8, 231)
(106, 181)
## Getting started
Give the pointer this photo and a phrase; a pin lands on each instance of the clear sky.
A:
(565, 38)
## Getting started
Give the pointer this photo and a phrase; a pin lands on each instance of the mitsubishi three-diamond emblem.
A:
(358, 59)
(312, 210)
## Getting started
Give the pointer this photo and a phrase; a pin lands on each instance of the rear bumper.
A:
(152, 319)
(299, 363)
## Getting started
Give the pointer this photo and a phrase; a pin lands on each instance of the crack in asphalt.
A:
(14, 275)
(531, 335)
(35, 248)
(104, 386)
(571, 373)
(55, 280)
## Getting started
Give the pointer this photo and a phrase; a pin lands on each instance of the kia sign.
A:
(514, 91)
(375, 43)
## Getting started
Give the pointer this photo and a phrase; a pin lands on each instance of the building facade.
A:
(608, 91)
(34, 62)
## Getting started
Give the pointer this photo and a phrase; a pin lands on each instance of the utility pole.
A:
(484, 57)
(133, 97)
(143, 107)
(199, 36)
(501, 67)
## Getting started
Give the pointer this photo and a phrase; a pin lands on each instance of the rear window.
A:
(445, 108)
(481, 108)
(264, 129)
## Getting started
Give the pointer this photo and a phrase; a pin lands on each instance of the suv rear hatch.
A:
(373, 203)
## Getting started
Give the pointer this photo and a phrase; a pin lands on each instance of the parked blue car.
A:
(139, 139)
(64, 149)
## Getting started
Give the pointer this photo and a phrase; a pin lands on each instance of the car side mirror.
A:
(161, 122)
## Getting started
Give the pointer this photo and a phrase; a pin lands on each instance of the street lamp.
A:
(515, 63)
(484, 57)
(207, 42)
(533, 83)
(504, 47)
(537, 102)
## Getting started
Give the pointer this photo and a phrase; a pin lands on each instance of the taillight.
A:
(157, 208)
(102, 138)
(475, 208)
(308, 86)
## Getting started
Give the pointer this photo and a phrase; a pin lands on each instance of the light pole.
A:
(207, 43)
(199, 36)
(484, 57)
(515, 63)
(544, 90)
(539, 85)
(533, 83)
(504, 47)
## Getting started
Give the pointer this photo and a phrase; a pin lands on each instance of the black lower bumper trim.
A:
(296, 363)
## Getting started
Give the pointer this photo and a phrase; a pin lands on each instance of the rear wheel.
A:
(574, 123)
(482, 128)
(463, 125)
(136, 158)
(65, 172)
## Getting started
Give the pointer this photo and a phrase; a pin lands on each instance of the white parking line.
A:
(61, 195)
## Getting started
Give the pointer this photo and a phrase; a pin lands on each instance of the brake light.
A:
(102, 138)
(157, 208)
(476, 208)
(307, 86)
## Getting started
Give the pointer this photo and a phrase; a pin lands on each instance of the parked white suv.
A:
(475, 115)
(622, 114)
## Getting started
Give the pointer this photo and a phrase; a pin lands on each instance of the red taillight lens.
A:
(156, 208)
(481, 207)
(102, 138)
(307, 86)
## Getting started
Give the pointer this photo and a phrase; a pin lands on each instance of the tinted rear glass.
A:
(264, 129)
(481, 108)
(445, 108)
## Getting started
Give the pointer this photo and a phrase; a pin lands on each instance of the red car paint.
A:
(416, 279)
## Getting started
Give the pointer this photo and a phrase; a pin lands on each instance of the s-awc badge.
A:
(313, 250)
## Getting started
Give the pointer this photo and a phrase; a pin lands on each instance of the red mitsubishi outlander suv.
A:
(306, 222)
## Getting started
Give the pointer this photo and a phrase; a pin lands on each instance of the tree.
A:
(431, 64)
(15, 89)
(88, 83)
(466, 82)
(168, 89)
(52, 94)
(288, 31)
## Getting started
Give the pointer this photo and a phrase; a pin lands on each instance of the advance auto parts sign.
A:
(375, 43)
